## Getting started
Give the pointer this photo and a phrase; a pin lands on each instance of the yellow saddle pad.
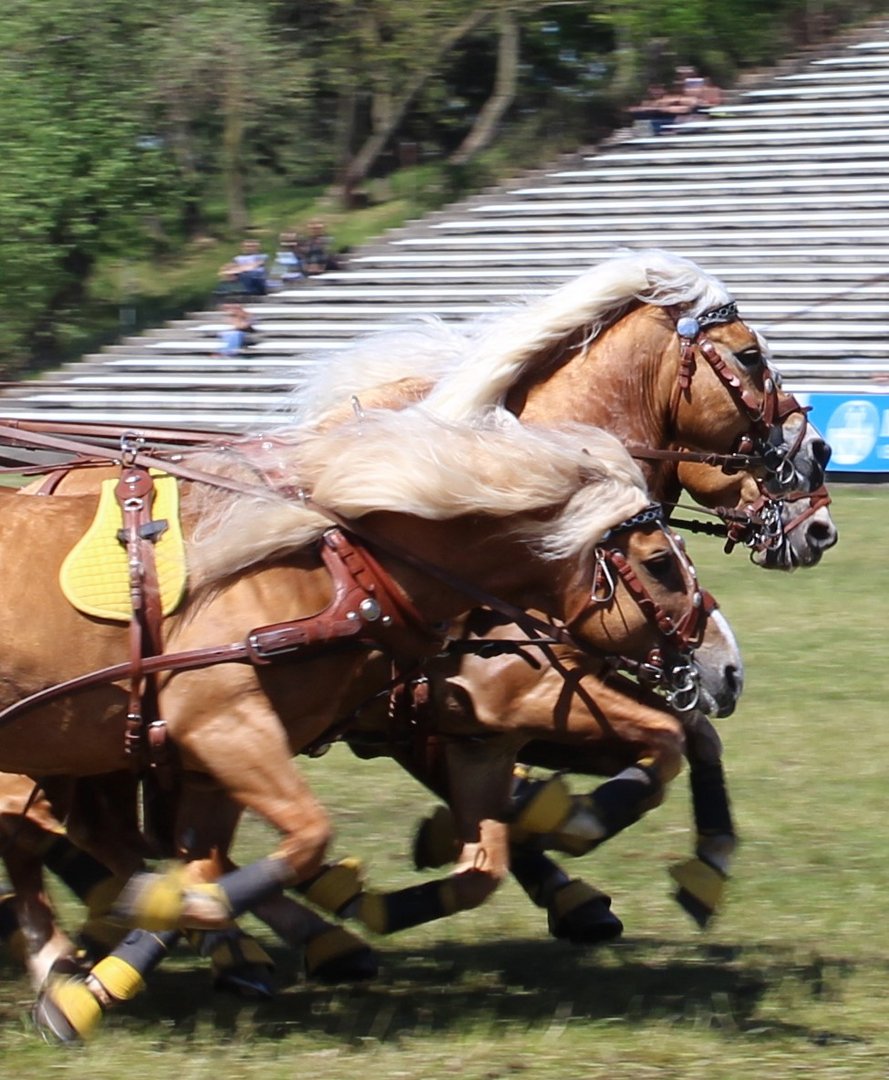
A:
(95, 576)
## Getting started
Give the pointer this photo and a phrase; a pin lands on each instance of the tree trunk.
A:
(364, 159)
(234, 126)
(505, 83)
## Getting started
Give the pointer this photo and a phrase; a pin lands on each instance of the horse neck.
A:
(622, 381)
(479, 551)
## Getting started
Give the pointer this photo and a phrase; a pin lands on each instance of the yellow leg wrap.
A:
(101, 896)
(373, 912)
(120, 979)
(575, 843)
(330, 945)
(155, 901)
(78, 1005)
(571, 896)
(701, 888)
(336, 885)
(547, 808)
(386, 913)
(203, 905)
(436, 842)
(243, 949)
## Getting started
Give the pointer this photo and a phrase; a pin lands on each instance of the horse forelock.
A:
(673, 281)
(413, 463)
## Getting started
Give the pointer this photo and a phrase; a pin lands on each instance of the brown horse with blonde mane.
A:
(606, 349)
(512, 510)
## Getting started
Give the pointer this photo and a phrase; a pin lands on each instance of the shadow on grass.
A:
(526, 985)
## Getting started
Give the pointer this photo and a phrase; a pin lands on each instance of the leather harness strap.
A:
(365, 610)
(135, 497)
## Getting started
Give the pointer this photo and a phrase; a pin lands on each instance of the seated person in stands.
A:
(710, 96)
(700, 88)
(318, 255)
(247, 271)
(287, 265)
(240, 333)
(662, 109)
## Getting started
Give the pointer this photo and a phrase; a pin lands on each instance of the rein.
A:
(368, 619)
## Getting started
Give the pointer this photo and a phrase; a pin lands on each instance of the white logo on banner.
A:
(852, 432)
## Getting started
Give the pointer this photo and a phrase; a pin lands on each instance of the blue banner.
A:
(857, 428)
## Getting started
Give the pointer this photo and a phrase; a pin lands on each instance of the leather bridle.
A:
(756, 449)
(759, 526)
(678, 680)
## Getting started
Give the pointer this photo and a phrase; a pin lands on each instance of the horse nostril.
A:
(734, 680)
(821, 535)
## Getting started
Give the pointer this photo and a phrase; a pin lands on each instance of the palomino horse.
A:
(514, 511)
(605, 349)
(652, 349)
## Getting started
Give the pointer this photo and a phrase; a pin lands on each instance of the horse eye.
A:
(660, 566)
(749, 357)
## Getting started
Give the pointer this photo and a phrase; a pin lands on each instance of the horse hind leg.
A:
(478, 778)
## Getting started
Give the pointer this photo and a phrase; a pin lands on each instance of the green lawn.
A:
(790, 981)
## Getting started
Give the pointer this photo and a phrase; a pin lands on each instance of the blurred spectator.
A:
(691, 94)
(318, 255)
(287, 265)
(662, 109)
(240, 333)
(710, 96)
(247, 271)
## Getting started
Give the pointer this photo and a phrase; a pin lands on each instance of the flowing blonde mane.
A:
(413, 463)
(474, 364)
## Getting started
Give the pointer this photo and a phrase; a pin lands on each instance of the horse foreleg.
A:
(251, 761)
(701, 880)
(70, 1009)
(34, 936)
(478, 778)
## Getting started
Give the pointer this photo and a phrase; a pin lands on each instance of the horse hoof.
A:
(590, 923)
(66, 1012)
(359, 966)
(336, 955)
(253, 982)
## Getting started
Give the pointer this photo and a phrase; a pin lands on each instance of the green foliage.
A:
(132, 127)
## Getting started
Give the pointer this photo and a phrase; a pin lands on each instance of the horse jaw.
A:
(801, 546)
(720, 668)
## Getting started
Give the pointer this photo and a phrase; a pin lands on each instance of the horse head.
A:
(640, 599)
(726, 384)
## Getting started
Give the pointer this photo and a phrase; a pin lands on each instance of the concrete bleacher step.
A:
(782, 195)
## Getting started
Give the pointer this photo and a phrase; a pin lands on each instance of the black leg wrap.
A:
(78, 870)
(710, 800)
(250, 884)
(387, 913)
(144, 950)
(536, 872)
(619, 802)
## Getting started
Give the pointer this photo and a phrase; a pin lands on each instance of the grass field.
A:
(792, 979)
